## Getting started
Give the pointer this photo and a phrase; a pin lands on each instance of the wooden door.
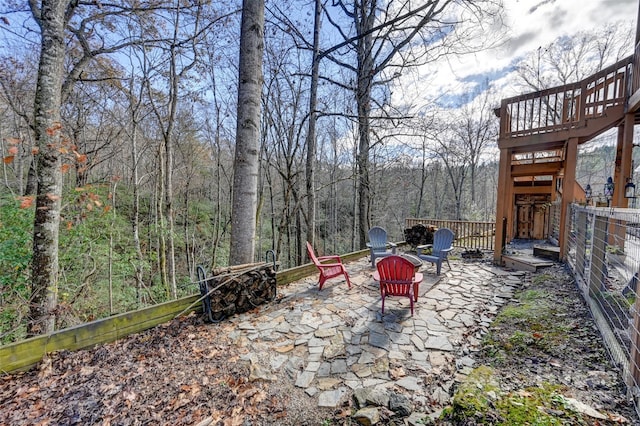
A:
(532, 216)
(524, 220)
(539, 221)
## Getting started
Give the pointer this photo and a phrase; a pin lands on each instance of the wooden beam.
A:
(624, 151)
(503, 202)
(536, 169)
(27, 353)
(634, 102)
(532, 190)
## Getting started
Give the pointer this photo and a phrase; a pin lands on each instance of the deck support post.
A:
(568, 192)
(504, 204)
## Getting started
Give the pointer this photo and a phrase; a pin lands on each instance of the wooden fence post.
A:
(581, 240)
(634, 355)
(598, 256)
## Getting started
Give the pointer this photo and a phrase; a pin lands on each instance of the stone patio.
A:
(335, 341)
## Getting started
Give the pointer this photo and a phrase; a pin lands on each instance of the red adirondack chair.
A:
(398, 277)
(329, 266)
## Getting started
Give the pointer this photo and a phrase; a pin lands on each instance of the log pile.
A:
(419, 235)
(472, 254)
(237, 289)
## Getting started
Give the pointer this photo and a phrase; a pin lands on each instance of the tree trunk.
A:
(168, 146)
(32, 179)
(135, 220)
(365, 76)
(168, 192)
(113, 220)
(161, 228)
(49, 138)
(311, 133)
(218, 195)
(245, 177)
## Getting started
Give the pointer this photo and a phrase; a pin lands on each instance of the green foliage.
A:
(478, 400)
(86, 258)
(534, 324)
(474, 396)
(532, 307)
(542, 405)
(492, 346)
(15, 257)
(613, 249)
(617, 299)
(539, 279)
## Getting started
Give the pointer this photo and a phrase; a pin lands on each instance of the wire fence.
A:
(603, 253)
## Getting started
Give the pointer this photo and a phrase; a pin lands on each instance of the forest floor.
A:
(182, 374)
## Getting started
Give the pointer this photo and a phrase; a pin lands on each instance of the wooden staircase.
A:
(539, 137)
(546, 119)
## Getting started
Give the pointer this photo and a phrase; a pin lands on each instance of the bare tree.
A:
(246, 163)
(388, 38)
(72, 34)
(475, 126)
(311, 132)
(572, 58)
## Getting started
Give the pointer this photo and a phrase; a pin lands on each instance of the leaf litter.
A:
(186, 372)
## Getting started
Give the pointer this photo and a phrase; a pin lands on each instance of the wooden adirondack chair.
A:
(378, 244)
(329, 266)
(398, 277)
(442, 245)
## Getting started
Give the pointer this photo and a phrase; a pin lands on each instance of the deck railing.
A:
(568, 106)
(468, 234)
(635, 80)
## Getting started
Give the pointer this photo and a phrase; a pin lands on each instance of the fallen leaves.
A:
(181, 374)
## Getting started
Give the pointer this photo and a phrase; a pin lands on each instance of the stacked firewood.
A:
(237, 289)
(472, 254)
(419, 235)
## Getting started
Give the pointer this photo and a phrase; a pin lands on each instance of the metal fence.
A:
(468, 234)
(603, 253)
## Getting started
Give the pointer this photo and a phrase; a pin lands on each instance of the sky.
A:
(531, 24)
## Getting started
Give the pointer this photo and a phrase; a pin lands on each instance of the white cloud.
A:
(531, 24)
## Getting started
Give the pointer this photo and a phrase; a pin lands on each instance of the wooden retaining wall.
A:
(28, 353)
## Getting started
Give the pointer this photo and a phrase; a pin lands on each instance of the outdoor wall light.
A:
(588, 193)
(608, 189)
(629, 189)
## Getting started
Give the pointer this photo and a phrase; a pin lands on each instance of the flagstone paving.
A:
(334, 341)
